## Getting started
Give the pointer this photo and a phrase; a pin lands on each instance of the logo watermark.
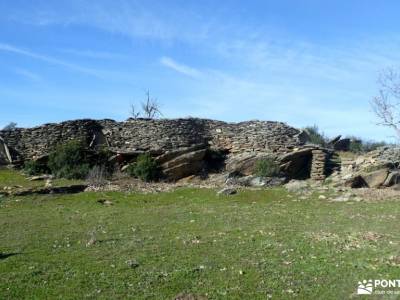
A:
(379, 287)
(365, 287)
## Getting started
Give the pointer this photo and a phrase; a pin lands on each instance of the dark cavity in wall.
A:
(298, 166)
(215, 160)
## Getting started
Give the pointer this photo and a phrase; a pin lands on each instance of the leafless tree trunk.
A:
(386, 105)
(135, 114)
(151, 108)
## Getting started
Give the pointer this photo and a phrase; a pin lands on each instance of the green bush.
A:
(33, 167)
(267, 167)
(358, 145)
(69, 161)
(145, 168)
(316, 137)
(102, 160)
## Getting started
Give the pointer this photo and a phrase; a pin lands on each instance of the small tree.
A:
(134, 113)
(10, 126)
(386, 105)
(150, 107)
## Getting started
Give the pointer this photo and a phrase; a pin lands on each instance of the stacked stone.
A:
(318, 165)
(28, 143)
(158, 135)
(253, 136)
(147, 134)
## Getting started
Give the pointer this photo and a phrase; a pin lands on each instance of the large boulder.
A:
(243, 164)
(255, 181)
(172, 154)
(392, 179)
(178, 165)
(376, 178)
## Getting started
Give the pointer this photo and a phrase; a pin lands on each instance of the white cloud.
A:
(180, 68)
(100, 74)
(49, 59)
(95, 54)
(158, 21)
(28, 74)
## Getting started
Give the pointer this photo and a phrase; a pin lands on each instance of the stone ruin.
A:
(379, 168)
(179, 145)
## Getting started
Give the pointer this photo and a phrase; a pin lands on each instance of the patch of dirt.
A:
(348, 241)
(394, 260)
(372, 195)
(136, 185)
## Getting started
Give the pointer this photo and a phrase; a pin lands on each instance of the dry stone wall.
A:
(155, 135)
(318, 165)
(254, 136)
(28, 143)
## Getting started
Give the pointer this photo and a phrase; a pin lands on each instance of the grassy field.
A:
(11, 178)
(253, 245)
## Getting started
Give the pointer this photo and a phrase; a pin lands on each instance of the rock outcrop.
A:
(244, 163)
(185, 163)
(378, 168)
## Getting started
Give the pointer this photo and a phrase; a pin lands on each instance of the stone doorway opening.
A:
(297, 165)
(306, 163)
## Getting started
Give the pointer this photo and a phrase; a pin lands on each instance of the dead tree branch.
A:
(151, 108)
(386, 105)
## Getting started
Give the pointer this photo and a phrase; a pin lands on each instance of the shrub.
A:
(358, 145)
(69, 161)
(97, 176)
(316, 137)
(102, 159)
(267, 167)
(33, 167)
(145, 168)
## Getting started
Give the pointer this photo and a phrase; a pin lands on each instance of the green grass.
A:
(247, 246)
(12, 178)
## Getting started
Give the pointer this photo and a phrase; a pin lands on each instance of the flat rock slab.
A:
(227, 191)
(376, 178)
(70, 189)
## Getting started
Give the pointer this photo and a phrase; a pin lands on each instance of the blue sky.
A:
(301, 62)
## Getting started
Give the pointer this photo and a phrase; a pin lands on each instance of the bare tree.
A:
(386, 105)
(151, 108)
(134, 113)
